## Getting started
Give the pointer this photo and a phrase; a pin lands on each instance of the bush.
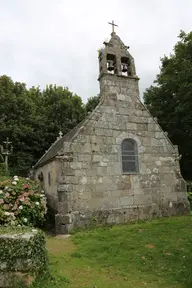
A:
(21, 202)
(189, 193)
(3, 170)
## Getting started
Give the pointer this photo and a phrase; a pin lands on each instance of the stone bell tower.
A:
(115, 59)
(117, 67)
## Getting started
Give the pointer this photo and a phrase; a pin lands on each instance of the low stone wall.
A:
(23, 256)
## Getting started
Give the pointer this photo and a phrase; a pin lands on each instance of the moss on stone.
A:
(22, 252)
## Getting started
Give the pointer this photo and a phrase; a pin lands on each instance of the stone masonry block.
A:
(64, 218)
(111, 170)
(126, 201)
(159, 135)
(182, 196)
(97, 158)
(84, 157)
(131, 126)
(76, 165)
(80, 173)
(170, 196)
(123, 193)
(97, 139)
(68, 171)
(109, 203)
(154, 127)
(62, 196)
(142, 199)
(87, 148)
(146, 141)
(138, 112)
(142, 127)
(101, 171)
(70, 180)
(100, 132)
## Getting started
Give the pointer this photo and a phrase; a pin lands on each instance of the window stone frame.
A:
(136, 155)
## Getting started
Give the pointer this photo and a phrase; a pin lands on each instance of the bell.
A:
(110, 66)
(124, 68)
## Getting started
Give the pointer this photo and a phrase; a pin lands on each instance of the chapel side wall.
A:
(50, 188)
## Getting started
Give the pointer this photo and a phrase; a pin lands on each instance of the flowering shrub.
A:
(21, 202)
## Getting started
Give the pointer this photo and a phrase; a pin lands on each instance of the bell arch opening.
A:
(111, 64)
(126, 66)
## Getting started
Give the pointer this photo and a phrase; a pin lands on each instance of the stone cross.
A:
(6, 150)
(113, 25)
(60, 134)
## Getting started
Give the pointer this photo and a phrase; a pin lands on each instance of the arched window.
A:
(41, 179)
(49, 178)
(129, 153)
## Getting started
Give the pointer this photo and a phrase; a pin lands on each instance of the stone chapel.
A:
(117, 165)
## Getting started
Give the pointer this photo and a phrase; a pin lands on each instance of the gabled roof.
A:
(116, 40)
(51, 153)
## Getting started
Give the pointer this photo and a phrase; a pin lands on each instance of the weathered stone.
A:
(143, 199)
(23, 265)
(94, 180)
(126, 201)
(65, 219)
(142, 127)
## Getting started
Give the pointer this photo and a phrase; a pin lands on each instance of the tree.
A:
(64, 108)
(92, 102)
(170, 99)
(33, 118)
(16, 116)
(62, 111)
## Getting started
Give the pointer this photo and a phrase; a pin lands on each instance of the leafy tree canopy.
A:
(170, 99)
(92, 103)
(32, 119)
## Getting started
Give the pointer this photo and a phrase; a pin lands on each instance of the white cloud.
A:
(56, 41)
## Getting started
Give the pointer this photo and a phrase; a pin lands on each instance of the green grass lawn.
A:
(150, 254)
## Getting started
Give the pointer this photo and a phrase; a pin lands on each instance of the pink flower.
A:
(31, 192)
(25, 194)
(26, 201)
(7, 194)
(6, 206)
(15, 207)
(25, 186)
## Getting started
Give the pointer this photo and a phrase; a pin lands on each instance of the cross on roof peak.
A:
(113, 25)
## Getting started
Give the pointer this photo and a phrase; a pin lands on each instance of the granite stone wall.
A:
(50, 172)
(91, 184)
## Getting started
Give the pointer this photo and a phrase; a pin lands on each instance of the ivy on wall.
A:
(22, 250)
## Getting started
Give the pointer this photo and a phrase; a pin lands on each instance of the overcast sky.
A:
(56, 41)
